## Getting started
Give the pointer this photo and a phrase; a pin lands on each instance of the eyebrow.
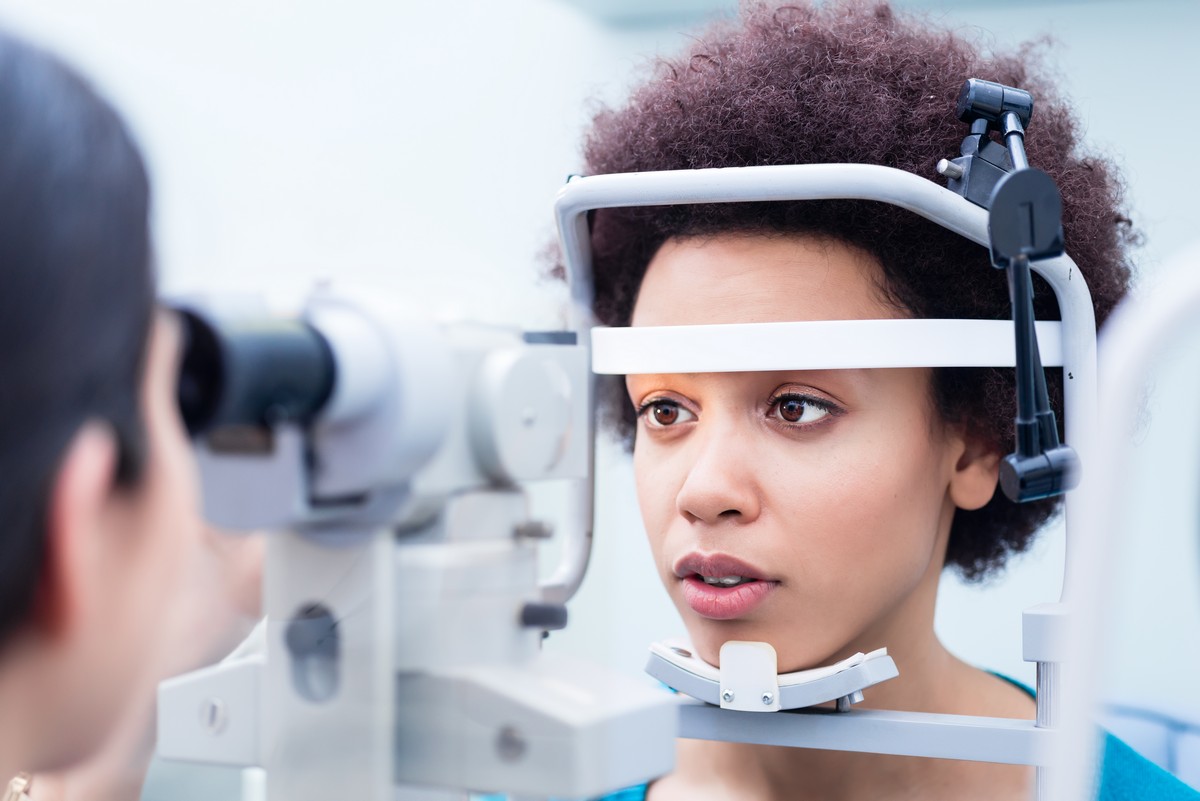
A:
(853, 379)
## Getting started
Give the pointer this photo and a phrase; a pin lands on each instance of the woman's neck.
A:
(14, 723)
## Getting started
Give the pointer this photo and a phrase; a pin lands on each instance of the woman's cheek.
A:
(853, 520)
(656, 492)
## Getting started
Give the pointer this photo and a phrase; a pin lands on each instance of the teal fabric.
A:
(628, 794)
(1125, 775)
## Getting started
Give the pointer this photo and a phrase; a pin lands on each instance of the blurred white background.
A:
(417, 146)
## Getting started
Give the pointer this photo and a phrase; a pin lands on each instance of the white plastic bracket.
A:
(749, 677)
(212, 715)
(674, 664)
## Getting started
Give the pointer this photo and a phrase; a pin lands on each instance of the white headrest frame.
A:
(925, 198)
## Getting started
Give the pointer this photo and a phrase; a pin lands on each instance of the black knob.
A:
(987, 100)
(1043, 475)
(547, 617)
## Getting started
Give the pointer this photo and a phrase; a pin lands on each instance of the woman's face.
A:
(162, 510)
(823, 497)
(123, 564)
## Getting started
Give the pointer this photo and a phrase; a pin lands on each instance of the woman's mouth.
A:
(720, 587)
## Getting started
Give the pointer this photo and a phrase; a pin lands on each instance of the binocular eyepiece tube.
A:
(252, 372)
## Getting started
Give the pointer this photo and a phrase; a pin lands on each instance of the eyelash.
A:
(831, 409)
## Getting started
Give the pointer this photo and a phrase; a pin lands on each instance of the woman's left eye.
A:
(798, 410)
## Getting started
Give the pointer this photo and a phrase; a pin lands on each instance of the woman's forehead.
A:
(746, 278)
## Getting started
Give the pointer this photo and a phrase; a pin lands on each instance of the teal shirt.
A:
(1126, 775)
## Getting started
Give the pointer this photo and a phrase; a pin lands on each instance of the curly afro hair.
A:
(850, 82)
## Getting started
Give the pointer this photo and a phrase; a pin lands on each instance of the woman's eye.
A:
(661, 414)
(796, 409)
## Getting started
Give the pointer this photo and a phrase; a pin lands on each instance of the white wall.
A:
(418, 146)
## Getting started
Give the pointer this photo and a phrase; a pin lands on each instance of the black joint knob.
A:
(1043, 475)
(987, 100)
(547, 617)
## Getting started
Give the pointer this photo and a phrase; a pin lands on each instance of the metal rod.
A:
(1020, 287)
(876, 731)
(1047, 692)
(1047, 717)
(1014, 137)
(1047, 421)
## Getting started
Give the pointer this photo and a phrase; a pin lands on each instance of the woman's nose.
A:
(720, 484)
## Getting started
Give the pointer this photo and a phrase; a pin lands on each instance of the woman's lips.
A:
(724, 603)
(716, 602)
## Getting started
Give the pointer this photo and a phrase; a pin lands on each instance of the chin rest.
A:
(748, 679)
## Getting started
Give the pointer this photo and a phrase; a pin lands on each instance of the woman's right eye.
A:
(664, 413)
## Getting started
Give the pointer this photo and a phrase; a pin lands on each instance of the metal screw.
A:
(949, 169)
(686, 654)
(768, 699)
(843, 703)
(727, 696)
(510, 744)
(213, 715)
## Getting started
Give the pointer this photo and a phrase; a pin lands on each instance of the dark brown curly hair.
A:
(851, 82)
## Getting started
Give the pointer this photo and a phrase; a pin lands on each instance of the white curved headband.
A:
(819, 345)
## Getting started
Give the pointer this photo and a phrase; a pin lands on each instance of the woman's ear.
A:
(77, 506)
(976, 472)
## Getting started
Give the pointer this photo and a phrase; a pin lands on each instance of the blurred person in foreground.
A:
(109, 581)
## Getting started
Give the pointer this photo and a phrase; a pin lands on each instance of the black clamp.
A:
(1024, 226)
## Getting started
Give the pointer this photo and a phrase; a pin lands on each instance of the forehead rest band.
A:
(816, 345)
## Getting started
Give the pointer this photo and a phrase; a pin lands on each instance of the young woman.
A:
(833, 499)
(108, 580)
